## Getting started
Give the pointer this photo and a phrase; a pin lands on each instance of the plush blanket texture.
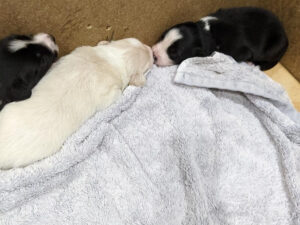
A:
(210, 142)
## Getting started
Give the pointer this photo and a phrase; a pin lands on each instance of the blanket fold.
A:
(221, 72)
(209, 142)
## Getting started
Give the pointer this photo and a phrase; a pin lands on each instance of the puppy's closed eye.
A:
(174, 52)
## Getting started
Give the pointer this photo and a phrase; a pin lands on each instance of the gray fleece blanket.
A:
(210, 142)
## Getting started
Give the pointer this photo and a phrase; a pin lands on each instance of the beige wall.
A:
(85, 22)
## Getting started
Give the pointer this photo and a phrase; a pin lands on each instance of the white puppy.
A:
(79, 84)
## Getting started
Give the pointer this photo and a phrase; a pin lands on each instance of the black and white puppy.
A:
(247, 34)
(24, 60)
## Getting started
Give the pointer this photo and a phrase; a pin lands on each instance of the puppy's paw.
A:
(103, 43)
(138, 80)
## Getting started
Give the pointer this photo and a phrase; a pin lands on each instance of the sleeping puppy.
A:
(24, 60)
(247, 34)
(79, 84)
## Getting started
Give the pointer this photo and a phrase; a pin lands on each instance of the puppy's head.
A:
(24, 60)
(138, 58)
(31, 51)
(22, 42)
(180, 42)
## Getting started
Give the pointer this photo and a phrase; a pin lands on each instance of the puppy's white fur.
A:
(79, 84)
(160, 49)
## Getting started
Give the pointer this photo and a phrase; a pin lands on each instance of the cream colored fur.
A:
(79, 84)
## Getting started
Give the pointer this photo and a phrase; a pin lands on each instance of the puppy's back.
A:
(74, 88)
(257, 29)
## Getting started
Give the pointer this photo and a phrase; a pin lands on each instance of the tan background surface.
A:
(85, 22)
(291, 85)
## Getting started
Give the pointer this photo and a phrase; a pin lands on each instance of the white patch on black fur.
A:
(41, 38)
(206, 20)
(45, 40)
(16, 45)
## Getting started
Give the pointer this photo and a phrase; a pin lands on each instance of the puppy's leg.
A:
(137, 80)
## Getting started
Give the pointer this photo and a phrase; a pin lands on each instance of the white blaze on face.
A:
(41, 38)
(160, 49)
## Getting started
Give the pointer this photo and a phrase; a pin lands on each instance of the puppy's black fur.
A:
(21, 70)
(247, 34)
